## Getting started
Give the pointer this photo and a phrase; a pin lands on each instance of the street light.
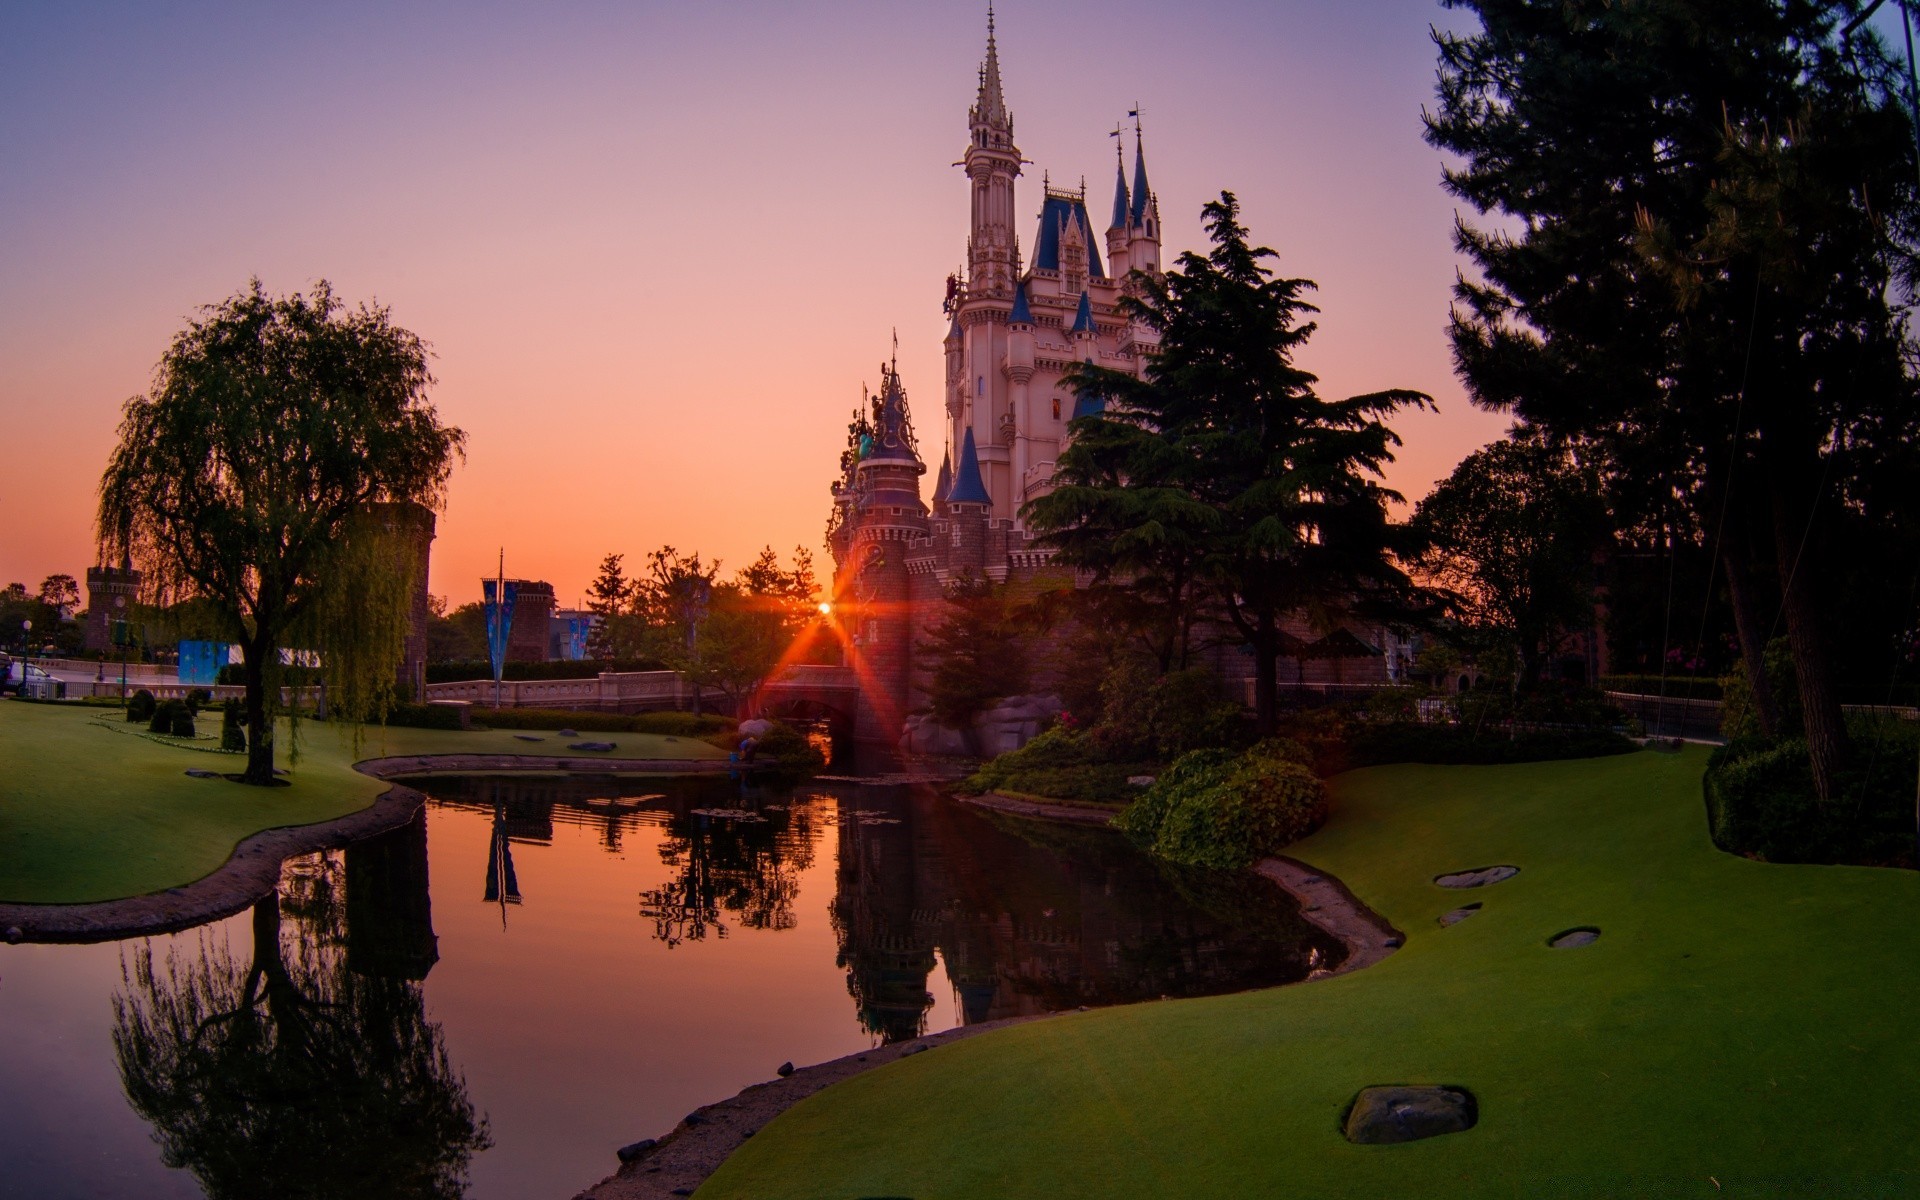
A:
(26, 652)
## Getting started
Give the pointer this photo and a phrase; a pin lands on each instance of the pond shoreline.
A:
(253, 869)
(682, 1159)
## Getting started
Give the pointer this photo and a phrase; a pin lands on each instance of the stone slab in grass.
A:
(1478, 877)
(1458, 915)
(1408, 1113)
(1583, 935)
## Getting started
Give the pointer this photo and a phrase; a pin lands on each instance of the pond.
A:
(488, 1002)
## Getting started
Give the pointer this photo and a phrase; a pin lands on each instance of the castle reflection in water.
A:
(1025, 917)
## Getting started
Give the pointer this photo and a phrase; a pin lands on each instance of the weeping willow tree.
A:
(264, 473)
(286, 1072)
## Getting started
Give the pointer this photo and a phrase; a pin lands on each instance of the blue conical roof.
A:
(1083, 317)
(968, 487)
(1140, 191)
(1021, 313)
(944, 480)
(1119, 196)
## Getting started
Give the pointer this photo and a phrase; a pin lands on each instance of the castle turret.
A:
(1143, 217)
(882, 515)
(992, 163)
(968, 504)
(1122, 208)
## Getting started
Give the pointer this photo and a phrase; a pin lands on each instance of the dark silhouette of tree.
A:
(291, 1075)
(1511, 537)
(248, 477)
(610, 598)
(1224, 461)
(977, 652)
(1701, 266)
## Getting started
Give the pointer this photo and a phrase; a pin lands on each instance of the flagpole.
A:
(499, 611)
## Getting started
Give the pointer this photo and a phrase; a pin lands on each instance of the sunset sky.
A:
(657, 249)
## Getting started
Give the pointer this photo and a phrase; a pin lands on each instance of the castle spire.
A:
(991, 107)
(1119, 183)
(1142, 195)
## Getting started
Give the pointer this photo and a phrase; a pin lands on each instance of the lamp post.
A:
(26, 653)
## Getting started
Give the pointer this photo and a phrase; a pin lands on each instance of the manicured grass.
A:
(1739, 1029)
(92, 810)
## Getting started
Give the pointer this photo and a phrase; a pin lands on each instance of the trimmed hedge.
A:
(141, 706)
(1213, 808)
(672, 724)
(424, 716)
(578, 668)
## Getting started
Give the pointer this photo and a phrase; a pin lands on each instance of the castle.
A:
(1018, 326)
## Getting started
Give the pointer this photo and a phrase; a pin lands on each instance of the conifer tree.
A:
(1703, 252)
(1224, 462)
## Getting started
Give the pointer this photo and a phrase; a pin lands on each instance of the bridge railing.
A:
(610, 690)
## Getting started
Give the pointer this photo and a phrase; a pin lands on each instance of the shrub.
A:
(1760, 800)
(1215, 809)
(172, 717)
(1062, 764)
(140, 706)
(1739, 720)
(1153, 716)
(233, 729)
(197, 699)
(785, 751)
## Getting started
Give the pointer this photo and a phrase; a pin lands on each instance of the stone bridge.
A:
(806, 691)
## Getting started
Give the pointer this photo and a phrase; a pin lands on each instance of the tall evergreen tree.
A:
(1225, 462)
(1704, 248)
(610, 600)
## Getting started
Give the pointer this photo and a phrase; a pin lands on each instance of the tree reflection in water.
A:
(748, 863)
(310, 1070)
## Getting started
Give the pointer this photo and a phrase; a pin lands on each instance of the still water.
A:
(541, 969)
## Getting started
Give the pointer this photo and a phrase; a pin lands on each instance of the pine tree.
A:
(1707, 216)
(1224, 462)
(610, 600)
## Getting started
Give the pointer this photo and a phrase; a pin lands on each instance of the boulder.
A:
(633, 1150)
(1408, 1113)
(1479, 877)
(1458, 915)
(756, 727)
(921, 734)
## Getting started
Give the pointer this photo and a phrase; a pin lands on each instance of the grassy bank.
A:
(92, 808)
(1740, 1029)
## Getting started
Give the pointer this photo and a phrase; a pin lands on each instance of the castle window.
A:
(1056, 408)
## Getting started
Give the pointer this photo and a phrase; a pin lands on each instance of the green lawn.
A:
(1739, 1030)
(92, 810)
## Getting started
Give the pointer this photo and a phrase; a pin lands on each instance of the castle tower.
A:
(992, 163)
(1013, 336)
(111, 594)
(878, 512)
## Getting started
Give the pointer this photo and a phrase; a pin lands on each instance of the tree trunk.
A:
(259, 723)
(1266, 679)
(1753, 640)
(1795, 549)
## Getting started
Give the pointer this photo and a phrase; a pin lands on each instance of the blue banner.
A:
(200, 662)
(499, 620)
